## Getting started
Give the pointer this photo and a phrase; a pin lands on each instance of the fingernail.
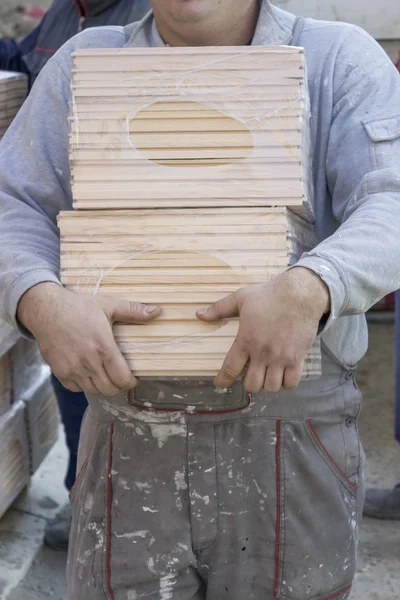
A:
(150, 308)
(202, 311)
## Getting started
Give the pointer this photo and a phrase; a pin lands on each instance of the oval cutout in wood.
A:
(203, 135)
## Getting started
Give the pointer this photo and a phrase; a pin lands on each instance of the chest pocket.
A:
(384, 133)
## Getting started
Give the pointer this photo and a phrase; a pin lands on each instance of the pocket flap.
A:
(383, 130)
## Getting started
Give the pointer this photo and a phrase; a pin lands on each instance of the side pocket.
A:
(317, 522)
(321, 448)
(384, 133)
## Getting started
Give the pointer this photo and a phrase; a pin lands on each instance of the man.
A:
(63, 20)
(262, 502)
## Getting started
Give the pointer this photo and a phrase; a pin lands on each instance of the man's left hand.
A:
(278, 323)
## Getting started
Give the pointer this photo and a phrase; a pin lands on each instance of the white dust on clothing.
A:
(163, 431)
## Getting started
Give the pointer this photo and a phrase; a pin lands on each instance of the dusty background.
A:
(12, 21)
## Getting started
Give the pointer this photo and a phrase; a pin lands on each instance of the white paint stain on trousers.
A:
(167, 583)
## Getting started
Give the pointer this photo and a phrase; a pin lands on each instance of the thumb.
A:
(222, 309)
(125, 311)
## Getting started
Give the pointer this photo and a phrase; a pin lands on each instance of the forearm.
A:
(360, 262)
(35, 303)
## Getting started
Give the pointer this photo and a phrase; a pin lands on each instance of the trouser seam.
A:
(104, 546)
(283, 502)
(205, 548)
(109, 512)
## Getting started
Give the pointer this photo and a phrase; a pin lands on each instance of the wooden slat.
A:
(286, 94)
(194, 124)
(186, 112)
(278, 152)
(168, 77)
(180, 190)
(238, 108)
(178, 329)
(120, 172)
(182, 276)
(294, 204)
(234, 215)
(153, 141)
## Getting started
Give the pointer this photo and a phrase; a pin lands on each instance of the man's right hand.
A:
(74, 334)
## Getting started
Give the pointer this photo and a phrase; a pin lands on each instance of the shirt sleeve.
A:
(34, 187)
(360, 261)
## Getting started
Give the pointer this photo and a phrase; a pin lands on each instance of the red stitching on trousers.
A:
(321, 445)
(278, 507)
(183, 410)
(49, 50)
(71, 491)
(109, 510)
(338, 594)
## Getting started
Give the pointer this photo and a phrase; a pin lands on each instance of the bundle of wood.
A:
(214, 143)
(190, 127)
(28, 413)
(183, 260)
(13, 91)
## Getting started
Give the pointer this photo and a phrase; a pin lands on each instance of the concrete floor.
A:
(378, 576)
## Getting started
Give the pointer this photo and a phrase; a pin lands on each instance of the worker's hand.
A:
(277, 326)
(74, 333)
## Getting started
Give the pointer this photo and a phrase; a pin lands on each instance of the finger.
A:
(88, 387)
(71, 386)
(255, 376)
(118, 370)
(233, 366)
(125, 311)
(104, 384)
(222, 309)
(273, 379)
(292, 376)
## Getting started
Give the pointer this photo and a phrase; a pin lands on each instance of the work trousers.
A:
(185, 493)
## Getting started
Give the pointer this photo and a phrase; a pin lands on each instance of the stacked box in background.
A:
(14, 455)
(28, 413)
(42, 418)
(13, 91)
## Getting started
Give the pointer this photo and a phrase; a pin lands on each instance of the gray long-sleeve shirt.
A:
(355, 130)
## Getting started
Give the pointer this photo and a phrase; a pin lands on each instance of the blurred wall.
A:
(381, 18)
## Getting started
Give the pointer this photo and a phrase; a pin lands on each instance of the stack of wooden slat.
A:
(232, 122)
(182, 260)
(214, 143)
(28, 413)
(13, 91)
